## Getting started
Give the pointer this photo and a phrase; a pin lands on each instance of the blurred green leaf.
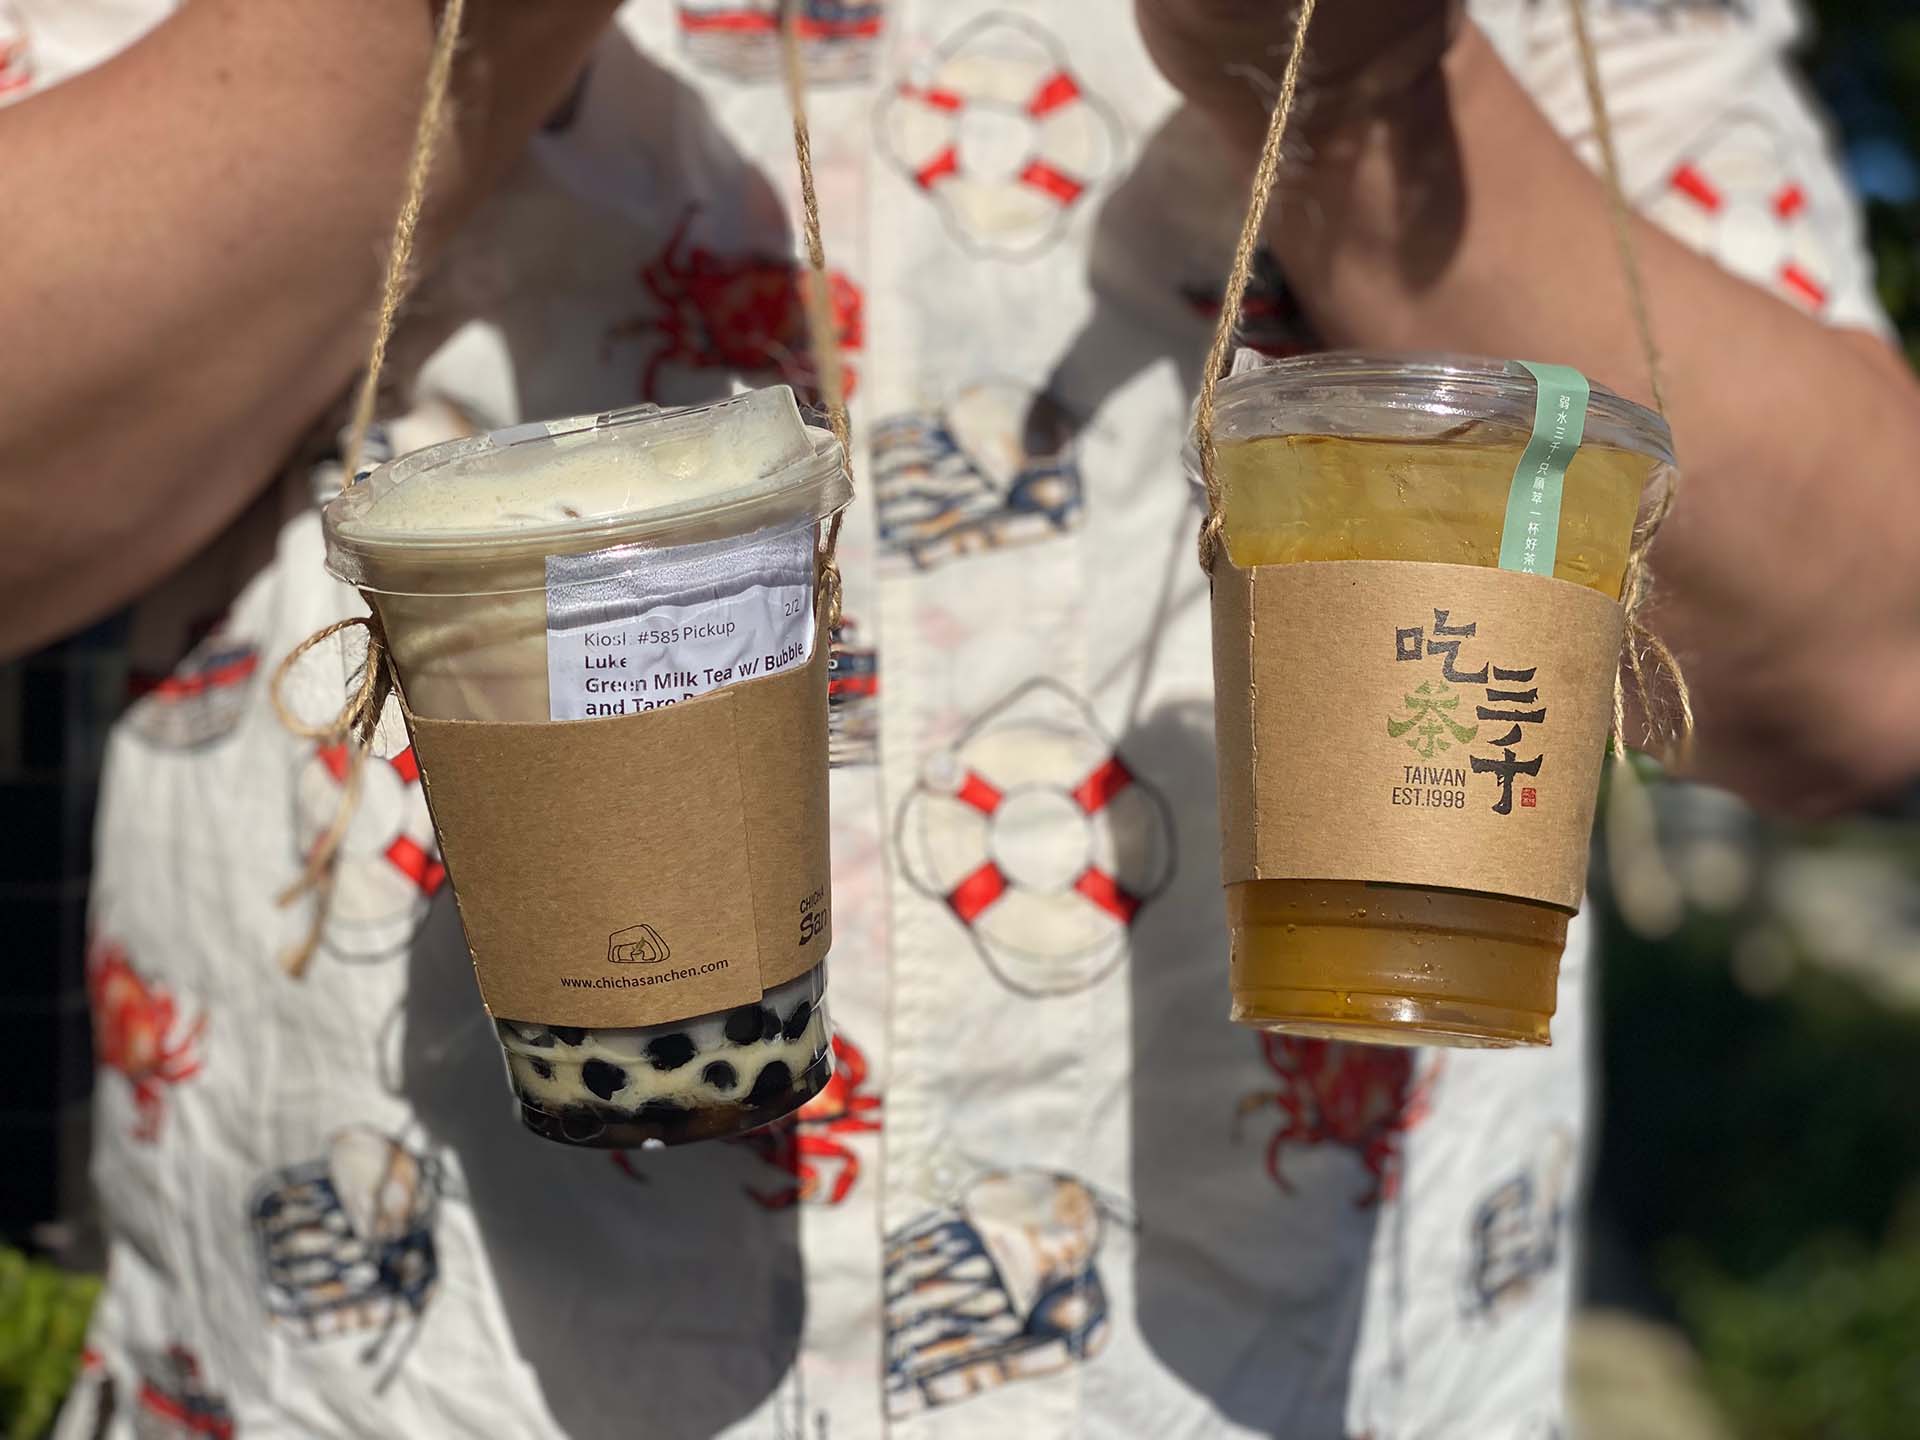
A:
(43, 1324)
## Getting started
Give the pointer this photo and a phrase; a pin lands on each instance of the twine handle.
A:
(823, 338)
(1646, 653)
(1219, 352)
(354, 725)
(426, 137)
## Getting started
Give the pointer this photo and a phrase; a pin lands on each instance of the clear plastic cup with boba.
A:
(550, 590)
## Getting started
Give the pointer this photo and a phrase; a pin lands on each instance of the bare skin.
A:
(205, 284)
(1452, 217)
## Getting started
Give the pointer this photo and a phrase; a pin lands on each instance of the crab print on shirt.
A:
(996, 465)
(999, 1287)
(815, 1148)
(1040, 840)
(1001, 136)
(140, 1032)
(1359, 1098)
(740, 39)
(741, 312)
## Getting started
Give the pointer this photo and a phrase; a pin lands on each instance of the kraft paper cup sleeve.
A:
(644, 868)
(1315, 667)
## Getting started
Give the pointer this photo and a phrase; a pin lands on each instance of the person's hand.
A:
(1227, 56)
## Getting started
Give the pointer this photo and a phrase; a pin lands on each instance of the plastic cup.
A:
(451, 545)
(1345, 457)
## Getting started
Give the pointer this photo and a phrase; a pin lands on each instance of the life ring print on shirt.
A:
(389, 869)
(739, 40)
(1001, 136)
(16, 56)
(1736, 197)
(1040, 840)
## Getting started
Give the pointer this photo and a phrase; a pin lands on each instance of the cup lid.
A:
(1348, 393)
(640, 475)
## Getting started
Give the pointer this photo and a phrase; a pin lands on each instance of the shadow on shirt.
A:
(652, 1288)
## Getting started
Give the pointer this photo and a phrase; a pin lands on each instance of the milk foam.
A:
(596, 472)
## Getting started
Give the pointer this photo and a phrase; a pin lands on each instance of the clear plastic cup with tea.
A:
(1341, 458)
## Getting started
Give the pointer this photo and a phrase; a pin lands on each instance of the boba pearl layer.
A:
(748, 1057)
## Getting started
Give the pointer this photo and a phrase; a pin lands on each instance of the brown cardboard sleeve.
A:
(1316, 665)
(644, 868)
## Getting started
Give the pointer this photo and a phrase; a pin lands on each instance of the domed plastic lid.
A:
(643, 475)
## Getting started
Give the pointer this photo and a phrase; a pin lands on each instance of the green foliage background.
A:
(1764, 1154)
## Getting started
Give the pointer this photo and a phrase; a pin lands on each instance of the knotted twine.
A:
(373, 682)
(1644, 651)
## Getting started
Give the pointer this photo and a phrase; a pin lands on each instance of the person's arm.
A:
(1789, 575)
(194, 239)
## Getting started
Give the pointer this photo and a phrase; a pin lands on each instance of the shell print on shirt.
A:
(1001, 136)
(740, 39)
(345, 1242)
(201, 700)
(853, 696)
(1002, 1286)
(1519, 1231)
(996, 465)
(1040, 839)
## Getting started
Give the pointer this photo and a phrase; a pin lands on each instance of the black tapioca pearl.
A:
(540, 1067)
(769, 1023)
(743, 1025)
(797, 1022)
(670, 1052)
(774, 1080)
(720, 1075)
(569, 1034)
(602, 1079)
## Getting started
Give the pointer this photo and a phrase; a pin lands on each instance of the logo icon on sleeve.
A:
(637, 945)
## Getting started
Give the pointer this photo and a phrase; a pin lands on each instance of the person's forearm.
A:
(1789, 575)
(194, 239)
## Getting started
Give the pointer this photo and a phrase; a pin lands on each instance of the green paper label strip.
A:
(1531, 535)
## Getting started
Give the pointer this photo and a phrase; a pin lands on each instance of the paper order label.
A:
(609, 658)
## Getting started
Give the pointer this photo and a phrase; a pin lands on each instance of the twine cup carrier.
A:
(1645, 652)
(374, 683)
(354, 726)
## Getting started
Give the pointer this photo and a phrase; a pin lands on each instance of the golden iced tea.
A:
(1399, 963)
